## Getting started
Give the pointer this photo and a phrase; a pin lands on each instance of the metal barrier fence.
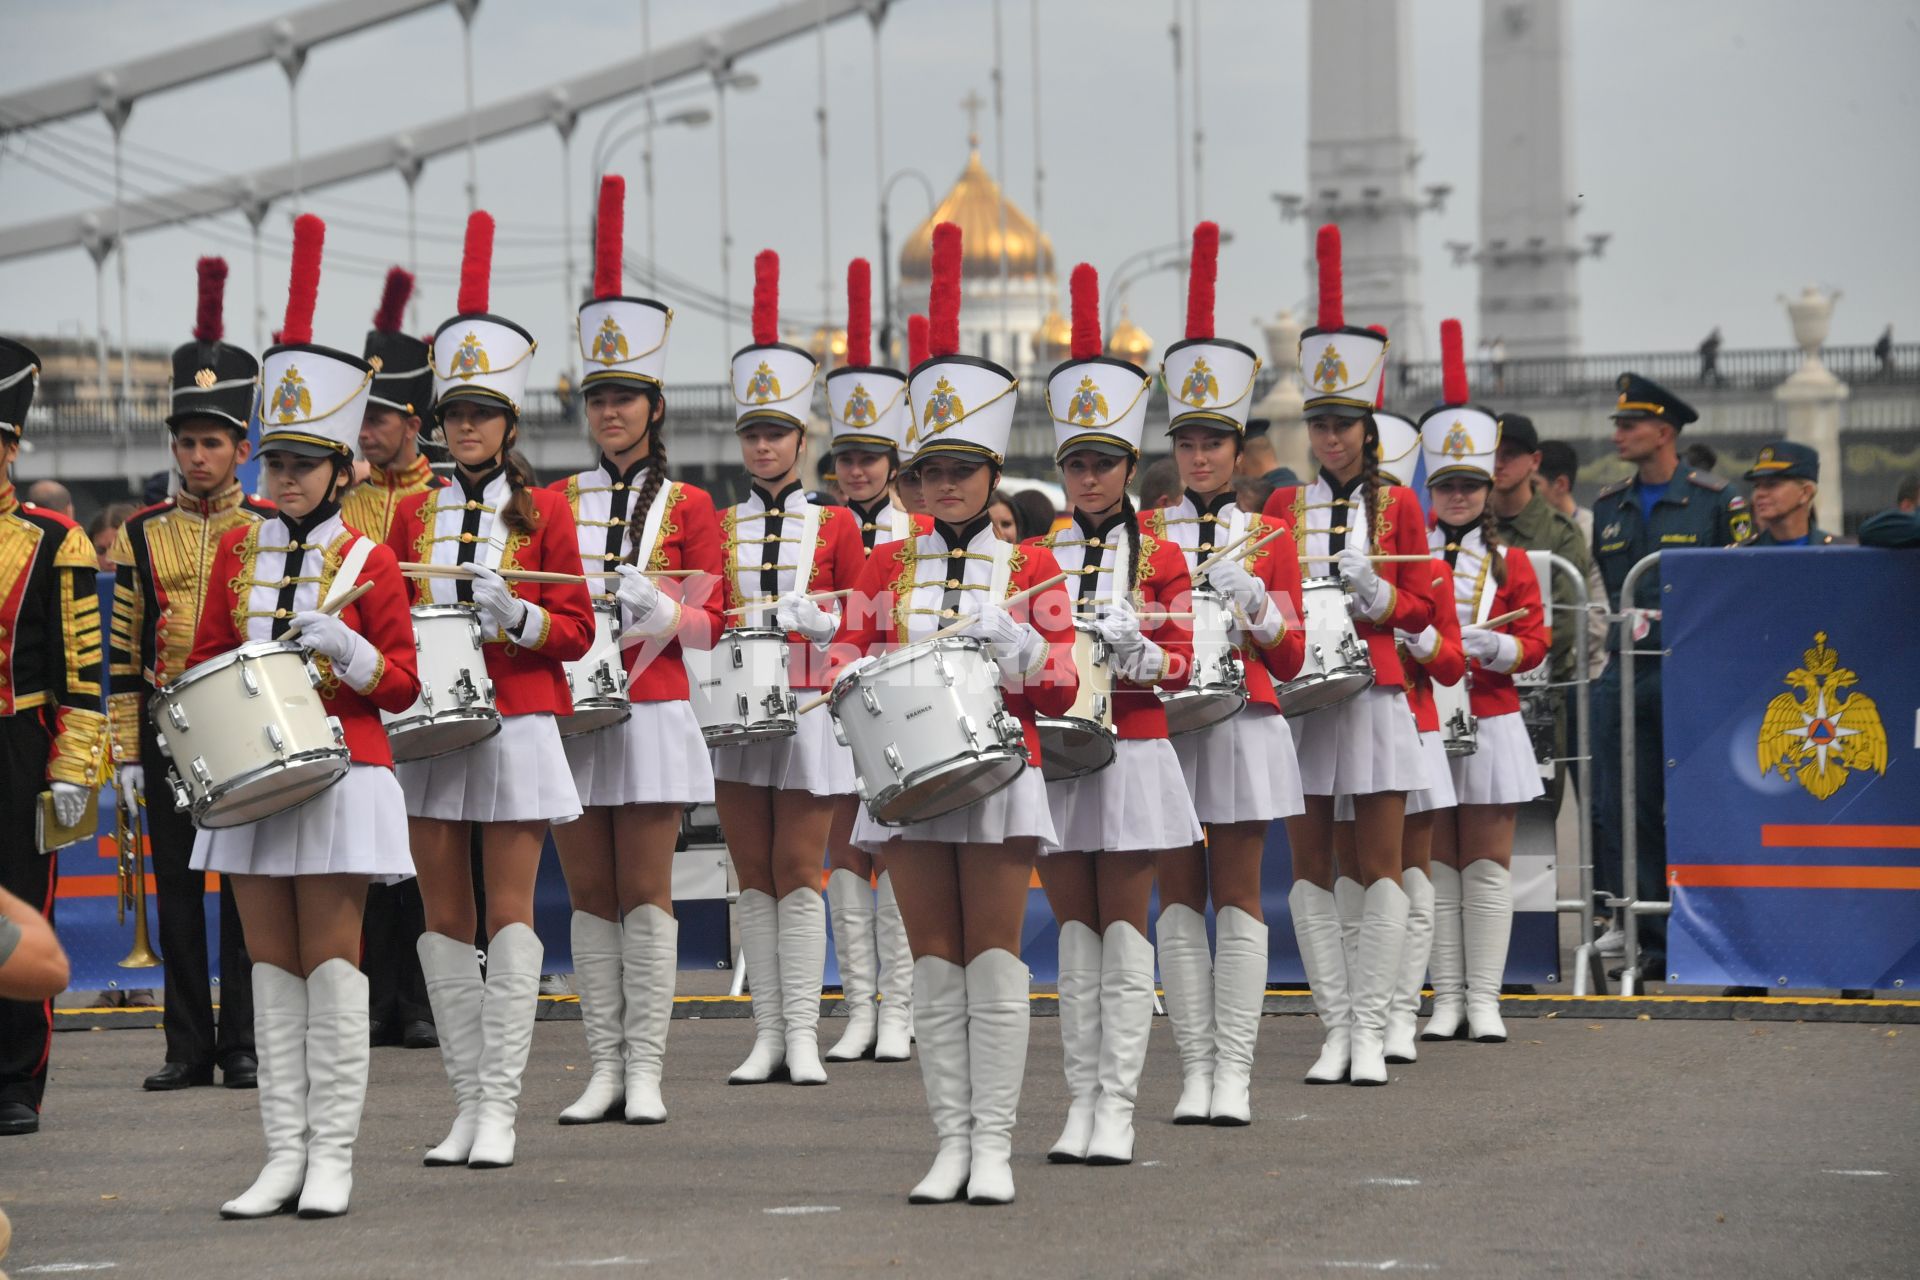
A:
(1588, 974)
(1628, 900)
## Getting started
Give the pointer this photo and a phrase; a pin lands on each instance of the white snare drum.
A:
(1459, 727)
(598, 680)
(1217, 687)
(1336, 666)
(248, 735)
(739, 688)
(1081, 741)
(455, 707)
(928, 730)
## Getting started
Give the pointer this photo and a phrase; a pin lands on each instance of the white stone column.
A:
(1811, 398)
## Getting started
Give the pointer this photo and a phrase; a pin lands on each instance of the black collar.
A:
(299, 530)
(1344, 490)
(626, 477)
(475, 487)
(869, 514)
(1211, 506)
(1455, 534)
(776, 501)
(1101, 531)
(962, 538)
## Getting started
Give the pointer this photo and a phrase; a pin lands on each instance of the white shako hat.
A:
(1341, 366)
(1457, 438)
(772, 380)
(478, 355)
(866, 403)
(1399, 447)
(1096, 402)
(1209, 380)
(312, 398)
(622, 339)
(961, 405)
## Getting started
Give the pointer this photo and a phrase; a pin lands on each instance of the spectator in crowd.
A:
(1786, 482)
(1700, 455)
(1159, 484)
(1710, 359)
(1883, 352)
(1899, 525)
(1006, 520)
(1559, 468)
(1259, 461)
(829, 494)
(155, 488)
(50, 495)
(1250, 493)
(1035, 512)
(102, 530)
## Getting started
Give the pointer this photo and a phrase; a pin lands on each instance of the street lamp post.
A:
(1118, 280)
(292, 56)
(254, 208)
(116, 109)
(690, 117)
(410, 164)
(563, 117)
(886, 253)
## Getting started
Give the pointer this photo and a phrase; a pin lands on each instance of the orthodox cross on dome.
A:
(972, 105)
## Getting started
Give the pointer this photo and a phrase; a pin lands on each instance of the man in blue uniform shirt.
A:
(1662, 506)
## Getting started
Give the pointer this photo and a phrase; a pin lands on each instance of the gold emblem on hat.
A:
(943, 407)
(291, 398)
(1088, 407)
(205, 379)
(609, 345)
(1199, 385)
(470, 361)
(1457, 444)
(1818, 738)
(859, 408)
(1331, 373)
(763, 385)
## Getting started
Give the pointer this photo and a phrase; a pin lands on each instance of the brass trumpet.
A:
(129, 832)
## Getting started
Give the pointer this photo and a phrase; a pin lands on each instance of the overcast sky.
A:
(1736, 149)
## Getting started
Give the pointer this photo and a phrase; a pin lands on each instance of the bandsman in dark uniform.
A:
(390, 442)
(1786, 480)
(1663, 506)
(165, 554)
(53, 737)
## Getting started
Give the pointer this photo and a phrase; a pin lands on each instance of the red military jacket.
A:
(1443, 661)
(900, 597)
(265, 573)
(752, 580)
(1477, 596)
(460, 524)
(1318, 515)
(1276, 566)
(1088, 555)
(686, 535)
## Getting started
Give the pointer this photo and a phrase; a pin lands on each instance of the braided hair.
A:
(1373, 488)
(519, 515)
(656, 475)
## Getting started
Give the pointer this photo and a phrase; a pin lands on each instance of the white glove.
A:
(499, 611)
(1134, 656)
(354, 658)
(649, 610)
(1016, 647)
(852, 669)
(795, 612)
(1492, 649)
(1368, 596)
(131, 779)
(1231, 579)
(69, 802)
(1423, 645)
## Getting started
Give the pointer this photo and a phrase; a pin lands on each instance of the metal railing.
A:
(1629, 900)
(1588, 972)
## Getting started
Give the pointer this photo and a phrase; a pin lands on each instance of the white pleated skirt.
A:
(1437, 795)
(1139, 802)
(520, 774)
(1242, 769)
(655, 756)
(1363, 745)
(811, 760)
(1016, 810)
(1501, 769)
(358, 826)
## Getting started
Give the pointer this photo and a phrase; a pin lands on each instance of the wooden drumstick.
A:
(745, 609)
(332, 608)
(1505, 618)
(1375, 559)
(416, 569)
(1233, 549)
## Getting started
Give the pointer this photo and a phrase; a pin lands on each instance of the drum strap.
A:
(656, 516)
(349, 573)
(1000, 577)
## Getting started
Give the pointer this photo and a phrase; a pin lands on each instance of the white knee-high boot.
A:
(597, 966)
(1186, 972)
(850, 905)
(280, 1041)
(1350, 900)
(893, 1041)
(506, 1028)
(759, 917)
(803, 959)
(1126, 1016)
(1316, 928)
(1239, 995)
(940, 1028)
(1080, 1009)
(998, 1022)
(338, 1053)
(452, 970)
(1402, 1015)
(1383, 933)
(650, 955)
(1486, 923)
(1447, 959)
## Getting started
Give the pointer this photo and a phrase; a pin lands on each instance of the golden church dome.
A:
(974, 203)
(829, 347)
(1054, 342)
(1129, 341)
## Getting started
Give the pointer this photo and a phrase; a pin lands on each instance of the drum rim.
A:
(220, 662)
(906, 655)
(445, 717)
(750, 633)
(318, 755)
(1292, 686)
(1237, 696)
(625, 709)
(437, 610)
(988, 755)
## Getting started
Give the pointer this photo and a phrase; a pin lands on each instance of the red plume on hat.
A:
(207, 323)
(1084, 285)
(1201, 273)
(309, 235)
(394, 296)
(476, 264)
(766, 297)
(609, 231)
(859, 312)
(1326, 253)
(1380, 396)
(916, 341)
(1453, 364)
(943, 300)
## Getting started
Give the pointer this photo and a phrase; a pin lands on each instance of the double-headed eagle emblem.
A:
(1199, 385)
(859, 408)
(1820, 736)
(1088, 408)
(1331, 373)
(943, 408)
(470, 360)
(763, 385)
(609, 344)
(291, 399)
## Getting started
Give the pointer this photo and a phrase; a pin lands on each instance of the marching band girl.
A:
(775, 798)
(1111, 823)
(1366, 746)
(1473, 924)
(634, 778)
(962, 877)
(866, 419)
(1241, 771)
(300, 876)
(490, 521)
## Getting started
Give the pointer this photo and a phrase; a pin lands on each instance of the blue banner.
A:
(1792, 714)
